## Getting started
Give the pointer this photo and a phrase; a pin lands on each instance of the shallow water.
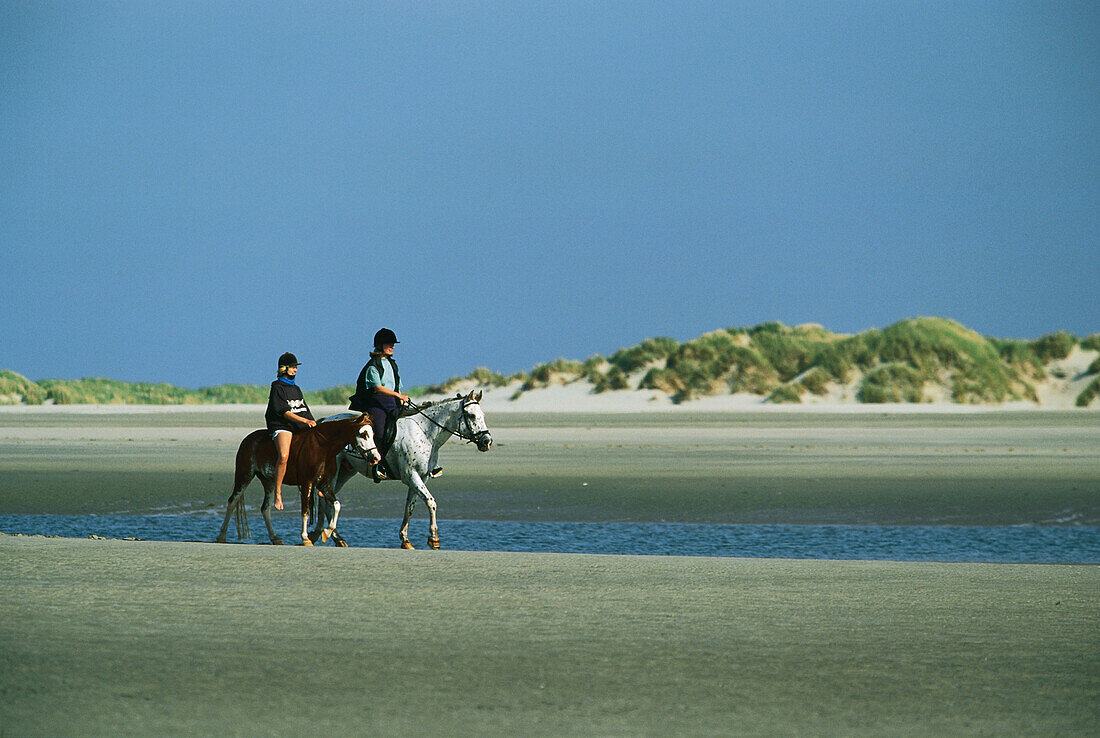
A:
(1020, 544)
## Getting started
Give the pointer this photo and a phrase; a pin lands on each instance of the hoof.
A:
(338, 541)
(325, 535)
(219, 539)
(307, 542)
(434, 543)
(276, 541)
(406, 545)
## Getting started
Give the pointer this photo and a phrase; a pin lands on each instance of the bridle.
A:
(354, 450)
(472, 436)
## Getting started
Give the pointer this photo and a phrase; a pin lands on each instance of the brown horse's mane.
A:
(327, 431)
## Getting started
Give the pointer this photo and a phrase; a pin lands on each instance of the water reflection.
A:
(1025, 544)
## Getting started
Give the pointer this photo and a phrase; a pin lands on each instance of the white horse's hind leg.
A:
(331, 527)
(410, 503)
(324, 512)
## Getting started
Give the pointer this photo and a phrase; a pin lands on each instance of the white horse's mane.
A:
(432, 403)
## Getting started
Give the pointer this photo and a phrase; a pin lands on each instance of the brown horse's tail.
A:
(240, 517)
(243, 475)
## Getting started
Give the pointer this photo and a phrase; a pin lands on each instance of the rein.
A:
(350, 446)
(468, 437)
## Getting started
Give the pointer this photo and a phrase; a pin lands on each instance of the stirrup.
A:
(378, 474)
(436, 472)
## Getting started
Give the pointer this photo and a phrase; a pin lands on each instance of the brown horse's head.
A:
(364, 439)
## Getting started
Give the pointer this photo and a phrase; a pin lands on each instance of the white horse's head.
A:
(473, 421)
(364, 440)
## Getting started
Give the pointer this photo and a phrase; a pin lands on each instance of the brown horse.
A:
(312, 464)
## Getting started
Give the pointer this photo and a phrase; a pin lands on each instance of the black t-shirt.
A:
(285, 397)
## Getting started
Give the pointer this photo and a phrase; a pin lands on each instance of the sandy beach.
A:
(135, 638)
(103, 637)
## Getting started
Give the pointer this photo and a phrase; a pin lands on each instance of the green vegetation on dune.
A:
(892, 383)
(15, 388)
(237, 394)
(481, 376)
(1090, 393)
(637, 357)
(903, 362)
(897, 363)
(102, 391)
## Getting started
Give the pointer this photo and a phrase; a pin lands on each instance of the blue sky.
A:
(189, 189)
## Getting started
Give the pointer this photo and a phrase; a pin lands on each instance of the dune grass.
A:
(974, 369)
(893, 364)
(815, 381)
(786, 393)
(892, 383)
(481, 376)
(103, 391)
(15, 389)
(1090, 393)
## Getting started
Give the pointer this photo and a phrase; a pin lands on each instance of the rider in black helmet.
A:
(378, 388)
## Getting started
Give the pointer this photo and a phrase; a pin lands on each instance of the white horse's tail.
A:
(241, 516)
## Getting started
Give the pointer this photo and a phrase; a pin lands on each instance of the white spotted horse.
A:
(311, 465)
(419, 433)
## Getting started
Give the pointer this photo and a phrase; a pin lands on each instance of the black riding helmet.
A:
(288, 359)
(384, 336)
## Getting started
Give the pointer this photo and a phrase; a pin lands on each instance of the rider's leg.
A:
(282, 449)
(434, 469)
(378, 423)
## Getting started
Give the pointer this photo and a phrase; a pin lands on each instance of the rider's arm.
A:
(299, 419)
(373, 382)
(387, 391)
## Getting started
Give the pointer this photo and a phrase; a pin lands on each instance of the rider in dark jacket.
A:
(287, 412)
(378, 388)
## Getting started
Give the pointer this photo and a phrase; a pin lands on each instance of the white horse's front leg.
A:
(417, 484)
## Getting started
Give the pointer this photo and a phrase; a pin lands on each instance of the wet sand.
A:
(1002, 468)
(143, 638)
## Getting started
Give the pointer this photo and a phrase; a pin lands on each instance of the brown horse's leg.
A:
(265, 510)
(305, 489)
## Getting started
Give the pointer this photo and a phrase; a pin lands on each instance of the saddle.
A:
(389, 435)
